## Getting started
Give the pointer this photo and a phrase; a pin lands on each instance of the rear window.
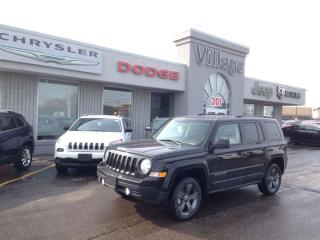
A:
(19, 121)
(7, 123)
(272, 131)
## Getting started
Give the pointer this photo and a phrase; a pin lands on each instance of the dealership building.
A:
(52, 81)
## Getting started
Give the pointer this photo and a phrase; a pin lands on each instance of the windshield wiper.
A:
(170, 140)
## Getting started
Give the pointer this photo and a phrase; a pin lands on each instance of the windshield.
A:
(158, 123)
(97, 124)
(185, 131)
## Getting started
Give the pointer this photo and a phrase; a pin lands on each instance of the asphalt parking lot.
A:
(40, 204)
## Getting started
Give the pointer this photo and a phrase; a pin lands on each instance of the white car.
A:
(84, 143)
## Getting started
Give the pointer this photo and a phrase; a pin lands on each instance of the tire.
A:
(23, 162)
(271, 181)
(61, 169)
(186, 199)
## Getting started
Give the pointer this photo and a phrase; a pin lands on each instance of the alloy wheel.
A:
(188, 199)
(26, 157)
(274, 179)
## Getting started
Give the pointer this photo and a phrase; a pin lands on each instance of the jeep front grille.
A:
(121, 162)
(85, 146)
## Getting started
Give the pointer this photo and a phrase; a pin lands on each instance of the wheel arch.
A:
(279, 160)
(198, 172)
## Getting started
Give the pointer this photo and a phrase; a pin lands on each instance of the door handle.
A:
(268, 149)
(244, 154)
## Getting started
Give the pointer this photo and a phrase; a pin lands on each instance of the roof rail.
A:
(257, 116)
(6, 111)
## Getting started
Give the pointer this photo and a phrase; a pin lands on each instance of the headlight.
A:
(145, 166)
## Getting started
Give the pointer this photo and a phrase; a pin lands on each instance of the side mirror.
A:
(222, 143)
(148, 129)
(128, 130)
(66, 128)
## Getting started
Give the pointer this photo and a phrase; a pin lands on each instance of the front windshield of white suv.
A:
(184, 131)
(97, 125)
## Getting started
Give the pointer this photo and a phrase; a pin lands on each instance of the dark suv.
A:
(16, 140)
(191, 157)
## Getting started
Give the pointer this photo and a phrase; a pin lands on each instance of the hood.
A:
(157, 150)
(87, 136)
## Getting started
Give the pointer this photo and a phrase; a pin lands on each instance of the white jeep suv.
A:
(84, 143)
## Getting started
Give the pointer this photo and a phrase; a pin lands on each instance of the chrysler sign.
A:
(26, 48)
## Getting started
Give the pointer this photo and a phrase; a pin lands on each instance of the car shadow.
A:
(211, 206)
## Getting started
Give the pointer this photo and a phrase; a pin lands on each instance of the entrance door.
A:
(161, 105)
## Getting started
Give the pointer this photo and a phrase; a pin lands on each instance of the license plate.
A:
(110, 181)
(84, 157)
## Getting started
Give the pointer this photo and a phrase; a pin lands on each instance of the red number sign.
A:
(216, 101)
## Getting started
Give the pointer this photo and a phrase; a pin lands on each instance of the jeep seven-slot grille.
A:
(121, 163)
(85, 146)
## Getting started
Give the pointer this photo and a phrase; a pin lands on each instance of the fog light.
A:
(127, 191)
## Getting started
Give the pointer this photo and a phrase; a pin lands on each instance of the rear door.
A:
(254, 153)
(225, 165)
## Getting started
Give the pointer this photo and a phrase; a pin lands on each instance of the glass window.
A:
(97, 124)
(248, 109)
(251, 131)
(7, 123)
(217, 95)
(118, 102)
(160, 105)
(268, 111)
(57, 108)
(229, 131)
(261, 134)
(273, 131)
(184, 131)
(19, 121)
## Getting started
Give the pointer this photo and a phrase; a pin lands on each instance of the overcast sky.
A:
(283, 36)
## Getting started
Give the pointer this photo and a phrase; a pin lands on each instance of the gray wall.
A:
(18, 92)
(90, 98)
(141, 107)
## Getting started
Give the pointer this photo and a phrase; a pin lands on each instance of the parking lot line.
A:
(25, 176)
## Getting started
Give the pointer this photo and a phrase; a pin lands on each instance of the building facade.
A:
(52, 81)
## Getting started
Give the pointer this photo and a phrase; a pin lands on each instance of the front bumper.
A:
(148, 189)
(74, 162)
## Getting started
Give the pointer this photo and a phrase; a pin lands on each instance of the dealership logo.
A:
(282, 92)
(215, 59)
(262, 91)
(150, 72)
(44, 57)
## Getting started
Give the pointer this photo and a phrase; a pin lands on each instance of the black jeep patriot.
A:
(191, 157)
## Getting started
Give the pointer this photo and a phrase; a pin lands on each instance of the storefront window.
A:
(248, 109)
(57, 108)
(268, 111)
(118, 102)
(216, 96)
(160, 105)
